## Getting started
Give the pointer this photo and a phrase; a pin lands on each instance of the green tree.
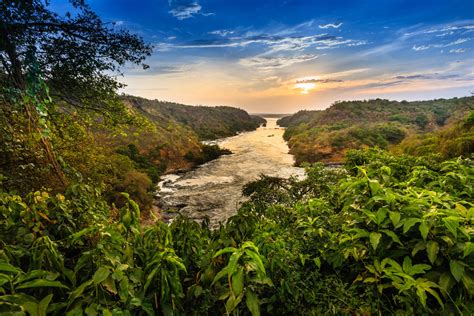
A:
(72, 59)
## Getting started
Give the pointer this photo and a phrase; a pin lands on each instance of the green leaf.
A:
(41, 283)
(392, 235)
(374, 239)
(220, 275)
(238, 281)
(432, 248)
(421, 245)
(79, 290)
(225, 250)
(468, 249)
(317, 261)
(409, 224)
(100, 275)
(457, 269)
(381, 215)
(424, 229)
(394, 217)
(6, 267)
(252, 302)
(43, 304)
(446, 281)
(232, 303)
(452, 224)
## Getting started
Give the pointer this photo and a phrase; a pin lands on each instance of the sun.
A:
(305, 87)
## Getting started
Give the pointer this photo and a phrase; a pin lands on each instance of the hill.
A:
(328, 134)
(207, 122)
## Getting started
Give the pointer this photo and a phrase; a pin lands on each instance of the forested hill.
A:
(208, 122)
(328, 134)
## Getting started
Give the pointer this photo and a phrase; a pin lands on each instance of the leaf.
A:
(252, 302)
(452, 224)
(381, 215)
(223, 251)
(432, 248)
(409, 224)
(100, 275)
(41, 283)
(446, 281)
(232, 303)
(79, 290)
(317, 261)
(392, 235)
(421, 245)
(394, 217)
(374, 239)
(238, 281)
(220, 275)
(424, 229)
(6, 267)
(43, 304)
(468, 249)
(457, 269)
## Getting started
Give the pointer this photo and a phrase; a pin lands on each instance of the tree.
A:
(73, 58)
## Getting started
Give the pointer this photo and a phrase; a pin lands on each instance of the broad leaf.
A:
(432, 248)
(375, 239)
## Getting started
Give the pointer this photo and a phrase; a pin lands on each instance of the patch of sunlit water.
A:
(214, 189)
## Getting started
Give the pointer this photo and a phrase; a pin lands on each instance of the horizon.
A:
(296, 55)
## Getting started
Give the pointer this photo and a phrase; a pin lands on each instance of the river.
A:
(215, 188)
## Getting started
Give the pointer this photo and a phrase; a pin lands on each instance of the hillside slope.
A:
(327, 135)
(207, 122)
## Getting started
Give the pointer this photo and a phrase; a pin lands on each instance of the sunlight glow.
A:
(305, 87)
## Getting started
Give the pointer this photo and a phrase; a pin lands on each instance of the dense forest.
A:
(383, 234)
(208, 122)
(328, 134)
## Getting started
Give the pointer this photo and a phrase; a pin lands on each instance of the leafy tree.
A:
(72, 58)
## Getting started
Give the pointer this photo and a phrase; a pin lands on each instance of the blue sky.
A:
(282, 56)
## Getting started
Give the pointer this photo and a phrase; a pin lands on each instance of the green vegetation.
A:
(208, 122)
(62, 121)
(383, 235)
(327, 135)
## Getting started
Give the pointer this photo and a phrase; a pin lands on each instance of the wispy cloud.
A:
(444, 29)
(457, 51)
(185, 9)
(453, 43)
(330, 25)
(269, 63)
(222, 33)
(275, 43)
(314, 80)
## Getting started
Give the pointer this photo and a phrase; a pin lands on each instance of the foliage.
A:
(208, 153)
(327, 135)
(208, 122)
(451, 141)
(385, 234)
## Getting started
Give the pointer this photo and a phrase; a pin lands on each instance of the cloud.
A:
(330, 25)
(269, 63)
(445, 29)
(453, 43)
(275, 43)
(314, 80)
(457, 51)
(185, 9)
(222, 33)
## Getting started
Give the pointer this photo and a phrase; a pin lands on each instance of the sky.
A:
(283, 56)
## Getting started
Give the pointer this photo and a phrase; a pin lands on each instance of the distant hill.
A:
(328, 134)
(207, 122)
